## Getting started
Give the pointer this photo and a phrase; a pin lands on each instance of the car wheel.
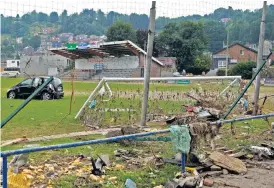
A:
(46, 96)
(11, 95)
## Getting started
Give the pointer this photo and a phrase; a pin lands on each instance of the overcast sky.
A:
(171, 8)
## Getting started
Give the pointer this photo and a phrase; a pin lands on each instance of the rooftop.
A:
(103, 49)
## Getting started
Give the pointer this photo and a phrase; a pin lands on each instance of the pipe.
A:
(3, 123)
(5, 172)
(98, 141)
(245, 89)
(174, 78)
(183, 163)
(242, 119)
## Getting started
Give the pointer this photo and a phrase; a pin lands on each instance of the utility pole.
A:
(227, 53)
(259, 60)
(151, 32)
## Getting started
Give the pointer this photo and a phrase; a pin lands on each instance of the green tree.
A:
(27, 18)
(34, 41)
(243, 69)
(42, 17)
(201, 64)
(53, 17)
(185, 41)
(120, 31)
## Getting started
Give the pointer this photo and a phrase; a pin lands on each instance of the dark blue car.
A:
(24, 89)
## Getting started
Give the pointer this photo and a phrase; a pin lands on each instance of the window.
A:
(37, 82)
(242, 52)
(12, 61)
(26, 82)
(17, 63)
(221, 64)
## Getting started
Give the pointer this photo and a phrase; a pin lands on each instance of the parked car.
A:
(10, 74)
(54, 90)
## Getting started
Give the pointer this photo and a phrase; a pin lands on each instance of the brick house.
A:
(237, 53)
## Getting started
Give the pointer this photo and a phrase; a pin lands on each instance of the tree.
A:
(27, 18)
(142, 37)
(53, 17)
(120, 31)
(201, 64)
(216, 34)
(244, 69)
(185, 41)
(42, 17)
(34, 41)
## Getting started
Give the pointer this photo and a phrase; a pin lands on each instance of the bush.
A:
(221, 72)
(243, 69)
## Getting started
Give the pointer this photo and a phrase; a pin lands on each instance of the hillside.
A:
(244, 26)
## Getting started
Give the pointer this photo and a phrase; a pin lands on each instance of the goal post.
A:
(104, 84)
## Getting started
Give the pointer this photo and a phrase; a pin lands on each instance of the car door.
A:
(26, 88)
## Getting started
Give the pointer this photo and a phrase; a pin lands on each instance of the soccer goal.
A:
(118, 101)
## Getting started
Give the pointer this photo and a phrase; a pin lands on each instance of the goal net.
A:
(118, 101)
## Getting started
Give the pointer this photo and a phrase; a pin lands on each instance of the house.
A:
(225, 20)
(237, 52)
(267, 48)
(47, 30)
(13, 63)
(65, 37)
(81, 38)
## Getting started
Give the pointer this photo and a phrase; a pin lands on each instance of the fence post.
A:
(5, 172)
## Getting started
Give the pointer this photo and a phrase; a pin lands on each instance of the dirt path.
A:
(255, 178)
(74, 134)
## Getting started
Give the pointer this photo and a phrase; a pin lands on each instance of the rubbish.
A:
(229, 163)
(18, 161)
(97, 167)
(262, 150)
(190, 182)
(208, 182)
(92, 104)
(181, 138)
(114, 178)
(201, 183)
(215, 168)
(240, 154)
(204, 114)
(94, 178)
(130, 184)
(225, 171)
(211, 173)
(171, 184)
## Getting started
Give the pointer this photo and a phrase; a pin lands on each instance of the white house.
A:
(14, 63)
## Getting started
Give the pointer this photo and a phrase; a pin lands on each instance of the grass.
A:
(40, 118)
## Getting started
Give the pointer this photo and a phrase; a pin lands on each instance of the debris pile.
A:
(212, 168)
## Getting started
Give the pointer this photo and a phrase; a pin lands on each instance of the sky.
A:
(169, 8)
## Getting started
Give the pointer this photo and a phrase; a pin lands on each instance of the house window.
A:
(12, 61)
(242, 52)
(221, 64)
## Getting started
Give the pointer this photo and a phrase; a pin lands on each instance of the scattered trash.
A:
(130, 184)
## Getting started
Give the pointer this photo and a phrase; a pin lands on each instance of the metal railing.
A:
(6, 154)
